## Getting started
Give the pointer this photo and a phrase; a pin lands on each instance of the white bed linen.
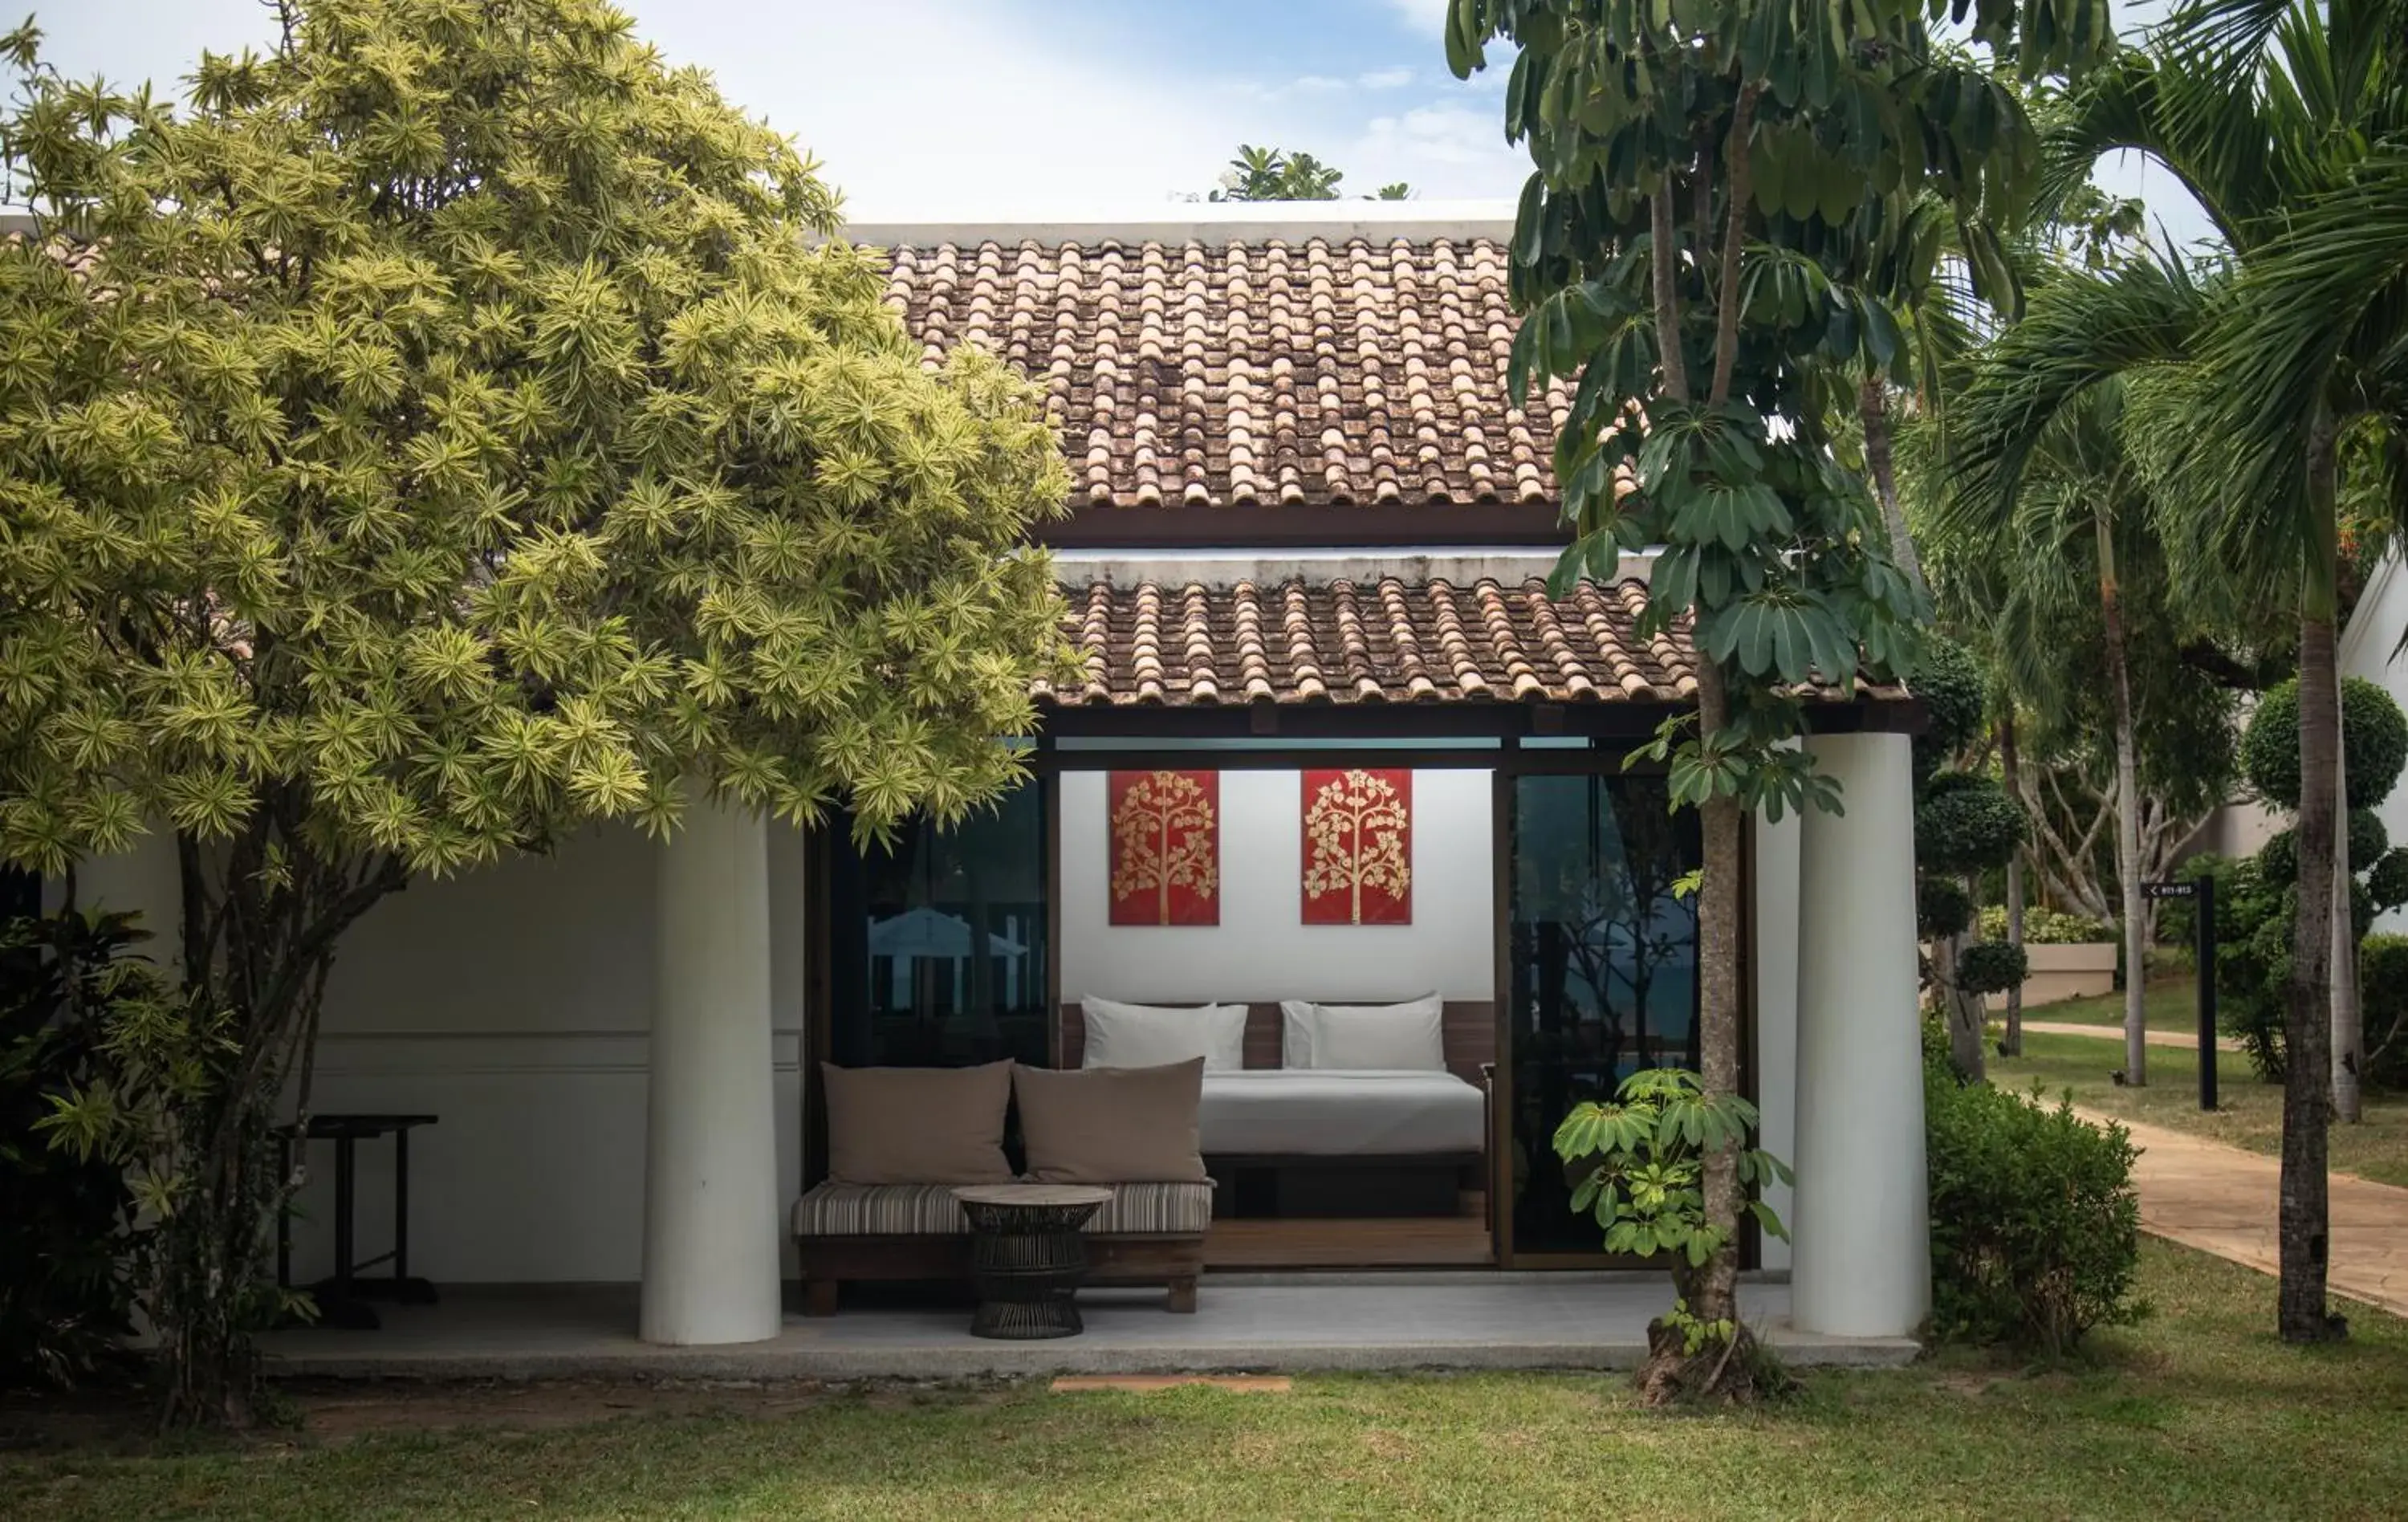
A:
(1323, 1112)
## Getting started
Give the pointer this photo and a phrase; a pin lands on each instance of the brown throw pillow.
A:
(917, 1125)
(1111, 1125)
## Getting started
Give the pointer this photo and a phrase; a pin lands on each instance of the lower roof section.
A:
(1340, 656)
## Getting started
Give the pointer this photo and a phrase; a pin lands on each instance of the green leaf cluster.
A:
(1639, 1161)
(2375, 748)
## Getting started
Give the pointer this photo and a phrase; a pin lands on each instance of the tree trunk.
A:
(2348, 1015)
(2013, 1042)
(1872, 409)
(2128, 814)
(2307, 1017)
(1718, 1003)
(1966, 1013)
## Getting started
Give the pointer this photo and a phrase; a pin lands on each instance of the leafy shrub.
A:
(2035, 1224)
(2383, 1008)
(2045, 927)
(1942, 908)
(1992, 967)
(2388, 883)
(1949, 682)
(67, 1235)
(2374, 743)
(1965, 823)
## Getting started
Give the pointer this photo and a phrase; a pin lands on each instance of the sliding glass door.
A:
(1601, 973)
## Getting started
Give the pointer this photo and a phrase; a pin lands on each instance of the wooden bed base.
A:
(828, 1261)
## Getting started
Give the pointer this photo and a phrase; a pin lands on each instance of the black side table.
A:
(342, 1299)
(1026, 1255)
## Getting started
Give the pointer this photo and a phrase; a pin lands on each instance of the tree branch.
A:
(1736, 155)
(1664, 248)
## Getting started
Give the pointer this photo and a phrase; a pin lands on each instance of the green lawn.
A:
(2168, 1004)
(2198, 1413)
(2249, 1113)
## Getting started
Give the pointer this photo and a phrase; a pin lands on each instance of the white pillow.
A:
(1152, 1035)
(1391, 1038)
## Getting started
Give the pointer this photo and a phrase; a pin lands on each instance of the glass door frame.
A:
(1601, 759)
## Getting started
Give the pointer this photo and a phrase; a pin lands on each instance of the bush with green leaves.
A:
(2045, 927)
(2374, 745)
(1992, 967)
(2382, 1004)
(1637, 1162)
(2035, 1222)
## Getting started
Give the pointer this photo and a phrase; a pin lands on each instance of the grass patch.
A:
(2166, 1004)
(2198, 1413)
(2249, 1112)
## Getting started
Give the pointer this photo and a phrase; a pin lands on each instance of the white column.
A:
(1860, 1263)
(147, 880)
(711, 1177)
(1776, 1013)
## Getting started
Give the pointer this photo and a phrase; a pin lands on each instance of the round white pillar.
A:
(710, 1176)
(1861, 1259)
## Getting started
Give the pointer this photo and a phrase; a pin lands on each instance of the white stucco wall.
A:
(514, 1002)
(1776, 1011)
(1260, 951)
(2369, 649)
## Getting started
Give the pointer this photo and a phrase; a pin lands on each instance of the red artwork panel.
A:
(1166, 850)
(1359, 846)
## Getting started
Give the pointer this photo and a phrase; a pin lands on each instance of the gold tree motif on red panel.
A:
(1358, 847)
(1165, 847)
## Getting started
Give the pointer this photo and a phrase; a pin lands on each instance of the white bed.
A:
(1326, 1113)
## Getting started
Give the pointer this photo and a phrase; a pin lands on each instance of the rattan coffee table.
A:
(1028, 1256)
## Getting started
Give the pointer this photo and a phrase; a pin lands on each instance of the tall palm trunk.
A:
(2128, 811)
(1718, 1000)
(2348, 1015)
(1872, 410)
(2301, 1216)
(2013, 1043)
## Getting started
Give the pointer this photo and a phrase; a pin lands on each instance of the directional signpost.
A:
(2202, 895)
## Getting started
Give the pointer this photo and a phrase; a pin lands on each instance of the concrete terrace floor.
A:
(1253, 1322)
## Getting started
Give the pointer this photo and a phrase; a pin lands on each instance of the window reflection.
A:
(1603, 968)
(940, 952)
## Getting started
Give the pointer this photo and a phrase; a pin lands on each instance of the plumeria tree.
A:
(447, 430)
(1702, 168)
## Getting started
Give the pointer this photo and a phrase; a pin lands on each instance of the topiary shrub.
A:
(2386, 885)
(1992, 967)
(2035, 1224)
(2374, 739)
(1942, 908)
(1965, 823)
(1948, 680)
(2367, 838)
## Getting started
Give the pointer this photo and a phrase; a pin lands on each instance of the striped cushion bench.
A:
(917, 1210)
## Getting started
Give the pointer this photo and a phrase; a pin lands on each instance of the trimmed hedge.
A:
(2035, 1223)
(2046, 927)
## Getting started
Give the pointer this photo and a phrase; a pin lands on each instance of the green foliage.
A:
(2375, 736)
(2035, 1223)
(452, 428)
(1639, 1161)
(1992, 967)
(2383, 1006)
(1942, 908)
(1949, 682)
(2386, 885)
(2048, 927)
(68, 1231)
(2368, 840)
(1271, 174)
(1966, 823)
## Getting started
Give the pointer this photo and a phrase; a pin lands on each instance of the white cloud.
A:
(1316, 84)
(1385, 79)
(1425, 15)
(1443, 149)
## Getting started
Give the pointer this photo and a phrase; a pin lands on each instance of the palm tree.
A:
(2288, 123)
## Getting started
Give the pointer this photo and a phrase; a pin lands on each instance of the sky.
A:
(965, 109)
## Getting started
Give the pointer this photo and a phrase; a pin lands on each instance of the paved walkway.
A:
(2222, 1200)
(2187, 1040)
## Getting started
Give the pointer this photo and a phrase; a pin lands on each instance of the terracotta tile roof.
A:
(1371, 643)
(1270, 372)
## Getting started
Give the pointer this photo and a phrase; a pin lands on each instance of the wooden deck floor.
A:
(1410, 1241)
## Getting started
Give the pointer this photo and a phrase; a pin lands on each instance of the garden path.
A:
(2221, 1199)
(2187, 1040)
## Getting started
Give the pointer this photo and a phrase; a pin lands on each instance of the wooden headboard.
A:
(1467, 1031)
